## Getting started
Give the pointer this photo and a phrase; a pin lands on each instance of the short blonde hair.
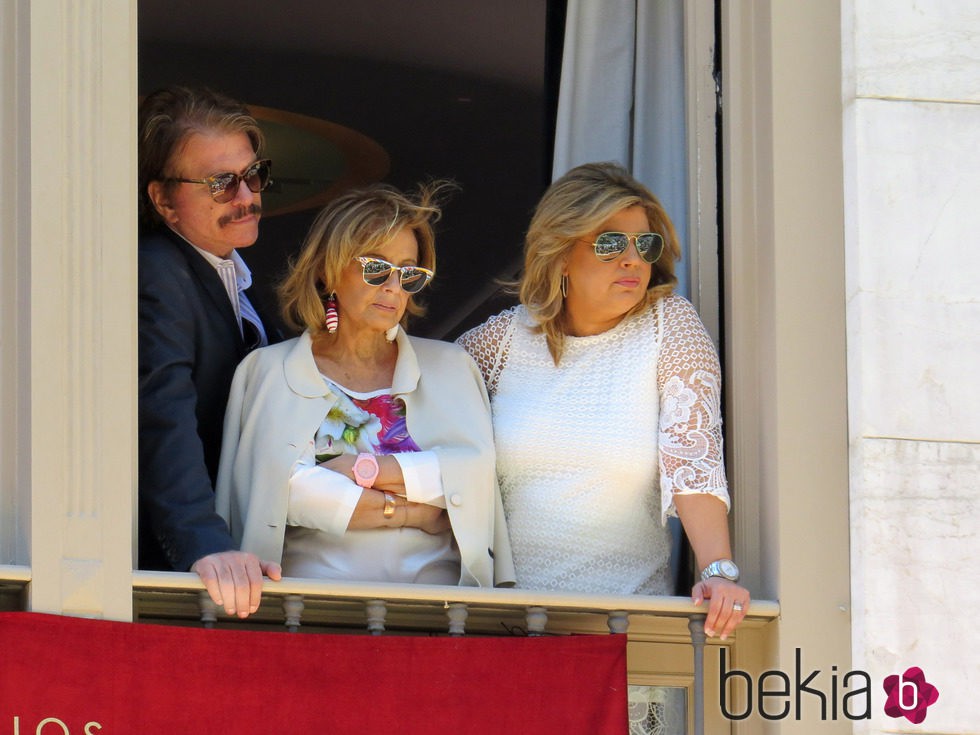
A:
(357, 222)
(573, 207)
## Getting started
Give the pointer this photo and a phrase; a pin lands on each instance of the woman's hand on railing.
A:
(234, 579)
(728, 604)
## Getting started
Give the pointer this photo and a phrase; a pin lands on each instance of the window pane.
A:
(657, 710)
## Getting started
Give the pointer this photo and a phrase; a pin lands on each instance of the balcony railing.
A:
(380, 607)
(401, 609)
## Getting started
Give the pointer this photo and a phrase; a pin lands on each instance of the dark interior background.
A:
(464, 89)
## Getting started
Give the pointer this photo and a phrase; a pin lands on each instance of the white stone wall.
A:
(912, 185)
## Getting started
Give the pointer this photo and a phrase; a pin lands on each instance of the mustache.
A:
(240, 213)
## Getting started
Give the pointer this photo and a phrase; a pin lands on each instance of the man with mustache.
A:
(200, 178)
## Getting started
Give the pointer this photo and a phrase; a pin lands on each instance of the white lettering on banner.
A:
(58, 727)
(49, 721)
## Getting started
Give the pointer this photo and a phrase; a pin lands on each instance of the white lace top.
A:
(591, 453)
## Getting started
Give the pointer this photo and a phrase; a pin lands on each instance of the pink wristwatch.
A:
(366, 469)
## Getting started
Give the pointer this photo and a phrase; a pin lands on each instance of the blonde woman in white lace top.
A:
(605, 393)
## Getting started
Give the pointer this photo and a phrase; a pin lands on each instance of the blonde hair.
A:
(573, 207)
(356, 223)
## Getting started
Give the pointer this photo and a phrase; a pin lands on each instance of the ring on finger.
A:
(737, 607)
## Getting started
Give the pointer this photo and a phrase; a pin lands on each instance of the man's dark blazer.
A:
(189, 347)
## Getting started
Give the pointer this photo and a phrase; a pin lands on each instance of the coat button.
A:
(456, 499)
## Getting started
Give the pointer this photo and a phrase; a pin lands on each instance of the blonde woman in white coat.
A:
(354, 451)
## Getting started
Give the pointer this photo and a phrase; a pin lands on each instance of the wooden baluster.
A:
(618, 621)
(457, 612)
(377, 610)
(696, 625)
(537, 619)
(209, 611)
(292, 607)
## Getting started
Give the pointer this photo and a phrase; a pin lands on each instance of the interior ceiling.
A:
(448, 88)
(466, 36)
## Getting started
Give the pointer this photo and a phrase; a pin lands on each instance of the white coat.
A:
(277, 402)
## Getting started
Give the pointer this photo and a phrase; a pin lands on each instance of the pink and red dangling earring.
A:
(332, 319)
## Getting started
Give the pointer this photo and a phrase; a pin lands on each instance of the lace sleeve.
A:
(487, 344)
(689, 380)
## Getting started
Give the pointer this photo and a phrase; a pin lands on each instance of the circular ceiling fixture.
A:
(314, 160)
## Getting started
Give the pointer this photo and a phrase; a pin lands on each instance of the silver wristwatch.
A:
(724, 568)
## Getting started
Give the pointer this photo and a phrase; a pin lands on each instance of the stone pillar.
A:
(79, 304)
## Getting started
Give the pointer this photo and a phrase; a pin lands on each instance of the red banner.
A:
(73, 676)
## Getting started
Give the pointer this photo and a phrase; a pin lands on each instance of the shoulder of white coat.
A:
(445, 361)
(265, 358)
(436, 349)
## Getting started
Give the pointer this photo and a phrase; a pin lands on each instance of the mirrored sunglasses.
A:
(376, 272)
(610, 245)
(224, 187)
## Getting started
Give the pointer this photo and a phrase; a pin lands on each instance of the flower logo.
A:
(909, 695)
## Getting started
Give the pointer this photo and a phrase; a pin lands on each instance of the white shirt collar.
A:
(243, 275)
